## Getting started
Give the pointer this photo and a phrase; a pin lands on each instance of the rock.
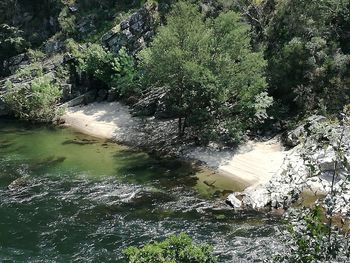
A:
(101, 95)
(53, 45)
(27, 17)
(234, 202)
(124, 24)
(90, 96)
(150, 103)
(73, 8)
(296, 176)
(66, 91)
(317, 186)
(148, 35)
(256, 199)
(292, 138)
(18, 184)
(74, 102)
(86, 24)
(112, 95)
(14, 63)
(133, 33)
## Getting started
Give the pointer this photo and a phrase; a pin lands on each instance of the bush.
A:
(175, 249)
(35, 102)
(115, 71)
(67, 21)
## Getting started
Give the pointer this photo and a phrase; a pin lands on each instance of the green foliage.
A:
(117, 71)
(208, 68)
(67, 22)
(308, 237)
(32, 70)
(309, 64)
(35, 102)
(12, 42)
(175, 249)
(35, 55)
(317, 235)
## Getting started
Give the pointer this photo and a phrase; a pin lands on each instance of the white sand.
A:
(102, 120)
(252, 164)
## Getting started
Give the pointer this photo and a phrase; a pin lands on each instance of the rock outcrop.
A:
(27, 70)
(307, 168)
(135, 32)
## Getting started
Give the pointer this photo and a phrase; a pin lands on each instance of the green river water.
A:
(81, 199)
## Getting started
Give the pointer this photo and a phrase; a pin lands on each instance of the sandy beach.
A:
(253, 163)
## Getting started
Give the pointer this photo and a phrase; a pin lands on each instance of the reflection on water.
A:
(79, 199)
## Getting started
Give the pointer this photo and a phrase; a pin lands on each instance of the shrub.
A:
(35, 102)
(117, 71)
(67, 21)
(175, 249)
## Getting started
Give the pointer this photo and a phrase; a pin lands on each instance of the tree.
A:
(308, 58)
(208, 69)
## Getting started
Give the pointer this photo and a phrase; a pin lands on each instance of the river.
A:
(82, 199)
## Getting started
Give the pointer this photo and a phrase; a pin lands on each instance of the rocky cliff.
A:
(320, 152)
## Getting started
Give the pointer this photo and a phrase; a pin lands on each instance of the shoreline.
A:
(251, 165)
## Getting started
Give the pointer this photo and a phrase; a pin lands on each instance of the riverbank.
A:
(251, 165)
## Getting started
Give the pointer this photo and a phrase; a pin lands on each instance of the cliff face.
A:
(25, 24)
(45, 25)
(36, 19)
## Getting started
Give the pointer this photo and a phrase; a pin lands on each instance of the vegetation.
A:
(114, 71)
(207, 67)
(224, 66)
(36, 101)
(320, 234)
(174, 249)
(308, 54)
(12, 43)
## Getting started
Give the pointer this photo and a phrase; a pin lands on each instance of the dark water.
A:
(84, 200)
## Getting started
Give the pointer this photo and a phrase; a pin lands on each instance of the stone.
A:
(234, 202)
(86, 24)
(53, 46)
(256, 198)
(317, 186)
(14, 63)
(18, 184)
(112, 96)
(124, 24)
(73, 8)
(101, 95)
(133, 33)
(139, 44)
(90, 96)
(136, 17)
(148, 35)
(292, 138)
